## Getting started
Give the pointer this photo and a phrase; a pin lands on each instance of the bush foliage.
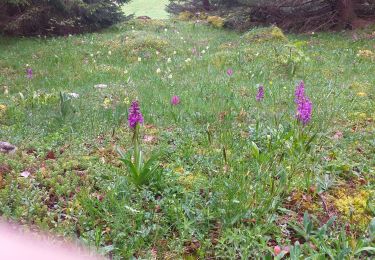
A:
(58, 17)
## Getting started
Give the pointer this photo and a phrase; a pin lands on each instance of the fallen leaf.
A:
(51, 155)
(6, 147)
(149, 139)
(25, 174)
(338, 135)
(101, 86)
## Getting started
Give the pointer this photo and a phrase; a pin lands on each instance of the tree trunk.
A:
(346, 12)
(206, 4)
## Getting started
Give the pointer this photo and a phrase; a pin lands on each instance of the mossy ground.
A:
(234, 168)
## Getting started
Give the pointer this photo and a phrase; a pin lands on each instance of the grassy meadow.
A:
(152, 8)
(240, 178)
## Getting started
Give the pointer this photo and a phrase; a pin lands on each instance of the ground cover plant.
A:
(260, 144)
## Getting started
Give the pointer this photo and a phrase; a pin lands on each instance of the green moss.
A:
(265, 34)
(353, 207)
(185, 16)
(216, 21)
(366, 55)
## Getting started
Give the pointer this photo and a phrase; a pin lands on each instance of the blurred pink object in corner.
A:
(15, 245)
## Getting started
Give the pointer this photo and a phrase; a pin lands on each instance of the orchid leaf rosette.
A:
(141, 173)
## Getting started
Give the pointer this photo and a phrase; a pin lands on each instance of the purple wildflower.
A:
(175, 100)
(29, 73)
(304, 105)
(230, 72)
(300, 92)
(260, 94)
(135, 116)
(304, 110)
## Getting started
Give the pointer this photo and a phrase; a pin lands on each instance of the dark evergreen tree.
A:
(58, 17)
(293, 15)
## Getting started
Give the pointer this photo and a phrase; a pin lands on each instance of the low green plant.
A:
(141, 172)
(292, 56)
(66, 105)
(341, 248)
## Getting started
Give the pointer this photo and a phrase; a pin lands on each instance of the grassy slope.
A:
(80, 188)
(152, 8)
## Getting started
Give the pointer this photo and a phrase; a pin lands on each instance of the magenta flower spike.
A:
(299, 93)
(29, 73)
(304, 104)
(304, 110)
(260, 94)
(230, 72)
(135, 116)
(175, 100)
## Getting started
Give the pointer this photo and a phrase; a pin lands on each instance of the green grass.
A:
(152, 8)
(237, 174)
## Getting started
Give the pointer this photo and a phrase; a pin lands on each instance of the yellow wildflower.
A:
(361, 94)
(3, 108)
(367, 54)
(107, 102)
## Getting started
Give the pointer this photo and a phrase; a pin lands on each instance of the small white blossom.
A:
(73, 95)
